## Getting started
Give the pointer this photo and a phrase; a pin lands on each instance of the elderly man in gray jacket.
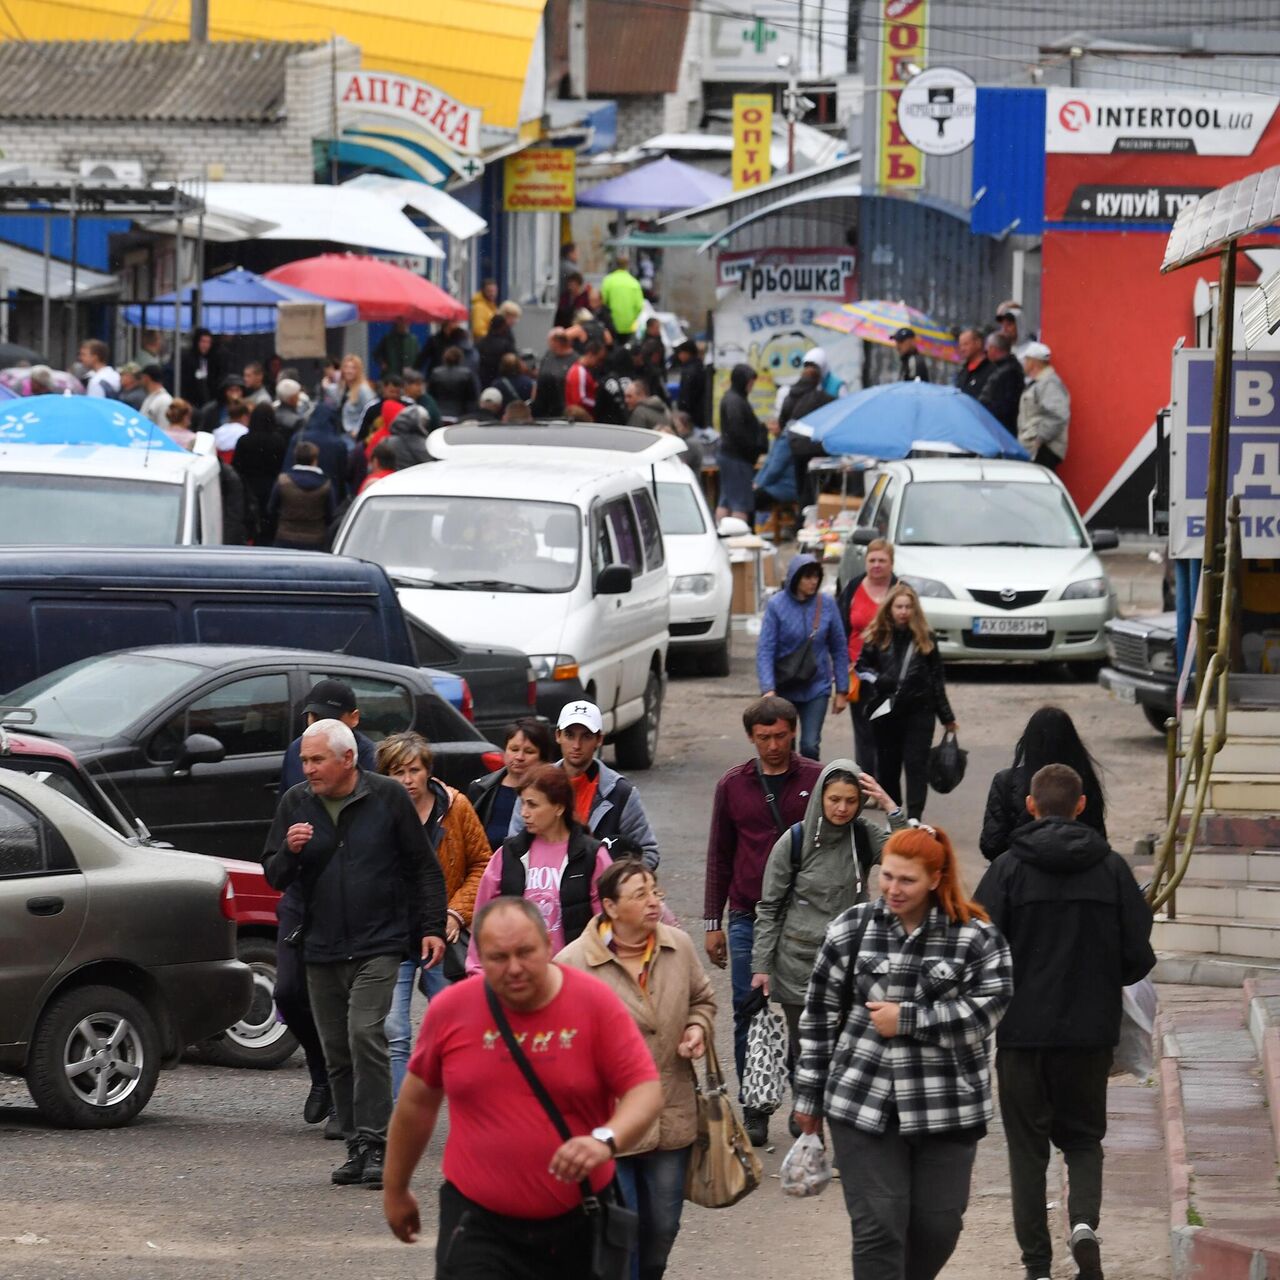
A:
(1044, 411)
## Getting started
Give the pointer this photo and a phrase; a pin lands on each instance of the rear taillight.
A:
(228, 900)
(491, 760)
(531, 693)
(468, 702)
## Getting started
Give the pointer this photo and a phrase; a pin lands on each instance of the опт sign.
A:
(385, 93)
(752, 138)
(903, 43)
(1118, 121)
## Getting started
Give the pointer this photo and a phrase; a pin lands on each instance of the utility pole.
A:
(199, 30)
(790, 102)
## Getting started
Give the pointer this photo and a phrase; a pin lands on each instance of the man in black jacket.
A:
(975, 368)
(807, 394)
(742, 440)
(374, 896)
(1003, 388)
(911, 365)
(1080, 931)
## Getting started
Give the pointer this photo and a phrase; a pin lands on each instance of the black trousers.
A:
(292, 999)
(476, 1244)
(903, 740)
(1045, 457)
(1058, 1096)
(864, 740)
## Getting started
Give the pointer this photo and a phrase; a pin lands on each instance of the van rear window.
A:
(88, 511)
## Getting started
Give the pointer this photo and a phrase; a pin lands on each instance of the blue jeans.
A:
(653, 1185)
(399, 1027)
(811, 715)
(742, 934)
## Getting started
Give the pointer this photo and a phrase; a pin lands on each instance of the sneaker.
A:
(374, 1157)
(352, 1170)
(333, 1131)
(1084, 1249)
(318, 1105)
(756, 1123)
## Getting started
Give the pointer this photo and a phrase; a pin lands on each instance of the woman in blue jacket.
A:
(799, 615)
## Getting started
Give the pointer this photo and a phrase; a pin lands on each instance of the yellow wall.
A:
(476, 50)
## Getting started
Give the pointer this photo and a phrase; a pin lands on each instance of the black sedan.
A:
(192, 737)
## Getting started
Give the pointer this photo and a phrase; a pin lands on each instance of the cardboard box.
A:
(746, 597)
(831, 505)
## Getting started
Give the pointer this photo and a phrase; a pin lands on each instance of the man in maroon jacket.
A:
(754, 804)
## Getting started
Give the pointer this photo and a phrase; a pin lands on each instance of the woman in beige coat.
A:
(656, 972)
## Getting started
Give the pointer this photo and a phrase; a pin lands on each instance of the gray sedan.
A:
(112, 957)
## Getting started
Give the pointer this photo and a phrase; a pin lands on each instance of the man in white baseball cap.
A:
(1044, 412)
(605, 802)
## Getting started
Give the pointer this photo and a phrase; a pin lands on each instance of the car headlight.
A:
(1087, 589)
(553, 666)
(1163, 659)
(694, 584)
(928, 587)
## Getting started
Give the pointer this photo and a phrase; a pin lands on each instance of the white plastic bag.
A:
(764, 1079)
(806, 1169)
(1134, 1053)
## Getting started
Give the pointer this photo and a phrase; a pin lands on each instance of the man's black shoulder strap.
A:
(770, 799)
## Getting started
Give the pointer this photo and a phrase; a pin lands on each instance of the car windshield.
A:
(988, 513)
(469, 543)
(88, 511)
(678, 510)
(100, 697)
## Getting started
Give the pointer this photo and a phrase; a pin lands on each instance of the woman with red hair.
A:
(894, 1053)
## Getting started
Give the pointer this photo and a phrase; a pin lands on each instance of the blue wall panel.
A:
(1008, 163)
(93, 237)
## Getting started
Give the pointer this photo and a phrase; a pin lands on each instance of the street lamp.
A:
(794, 103)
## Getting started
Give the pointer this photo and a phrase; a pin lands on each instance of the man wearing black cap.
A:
(328, 700)
(911, 365)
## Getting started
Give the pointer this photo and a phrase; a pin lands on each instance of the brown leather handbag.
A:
(723, 1168)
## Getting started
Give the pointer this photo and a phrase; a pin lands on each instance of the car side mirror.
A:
(1105, 540)
(864, 535)
(613, 580)
(197, 748)
(733, 527)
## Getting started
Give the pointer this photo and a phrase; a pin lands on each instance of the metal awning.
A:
(846, 168)
(24, 270)
(1224, 215)
(832, 191)
(657, 240)
(447, 212)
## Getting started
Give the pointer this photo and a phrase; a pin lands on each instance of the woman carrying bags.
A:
(655, 971)
(894, 1055)
(900, 671)
(858, 602)
(801, 654)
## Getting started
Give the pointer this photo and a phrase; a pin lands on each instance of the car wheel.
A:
(637, 746)
(1156, 718)
(95, 1058)
(259, 1040)
(716, 663)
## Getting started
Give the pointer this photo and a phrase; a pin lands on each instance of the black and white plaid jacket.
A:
(952, 982)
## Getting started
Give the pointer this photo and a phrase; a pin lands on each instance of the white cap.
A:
(583, 713)
(491, 395)
(816, 356)
(287, 387)
(1037, 351)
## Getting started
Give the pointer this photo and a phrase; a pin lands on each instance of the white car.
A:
(1002, 561)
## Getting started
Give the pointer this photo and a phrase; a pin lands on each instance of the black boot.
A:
(333, 1131)
(375, 1155)
(756, 1123)
(349, 1173)
(318, 1104)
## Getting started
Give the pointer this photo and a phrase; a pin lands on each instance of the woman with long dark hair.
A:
(900, 671)
(258, 460)
(1049, 738)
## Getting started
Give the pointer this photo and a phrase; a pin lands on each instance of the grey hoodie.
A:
(790, 926)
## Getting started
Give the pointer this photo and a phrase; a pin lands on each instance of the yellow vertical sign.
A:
(903, 39)
(752, 138)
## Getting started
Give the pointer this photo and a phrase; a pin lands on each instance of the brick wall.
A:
(639, 117)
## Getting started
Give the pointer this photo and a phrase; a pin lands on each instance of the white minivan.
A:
(560, 557)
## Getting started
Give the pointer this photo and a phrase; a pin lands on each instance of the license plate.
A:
(1125, 692)
(1010, 626)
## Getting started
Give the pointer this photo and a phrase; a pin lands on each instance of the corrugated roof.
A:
(635, 48)
(225, 82)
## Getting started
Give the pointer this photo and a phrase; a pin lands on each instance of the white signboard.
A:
(390, 95)
(742, 45)
(938, 111)
(300, 330)
(1115, 121)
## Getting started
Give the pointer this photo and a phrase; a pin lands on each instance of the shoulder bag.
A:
(800, 665)
(723, 1168)
(885, 706)
(615, 1229)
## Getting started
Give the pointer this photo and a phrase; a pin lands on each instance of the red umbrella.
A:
(381, 290)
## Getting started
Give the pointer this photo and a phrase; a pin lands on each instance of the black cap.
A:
(330, 700)
(903, 334)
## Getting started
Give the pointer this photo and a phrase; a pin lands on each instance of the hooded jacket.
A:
(1007, 810)
(324, 429)
(792, 914)
(651, 413)
(1079, 929)
(786, 626)
(409, 431)
(741, 435)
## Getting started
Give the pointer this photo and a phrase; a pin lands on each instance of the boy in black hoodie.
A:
(1080, 931)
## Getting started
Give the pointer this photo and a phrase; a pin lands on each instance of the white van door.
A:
(615, 540)
(648, 606)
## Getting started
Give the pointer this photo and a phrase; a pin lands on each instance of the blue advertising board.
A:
(1253, 461)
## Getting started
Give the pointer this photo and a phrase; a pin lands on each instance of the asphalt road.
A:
(220, 1177)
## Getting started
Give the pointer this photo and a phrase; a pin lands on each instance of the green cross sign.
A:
(471, 168)
(759, 35)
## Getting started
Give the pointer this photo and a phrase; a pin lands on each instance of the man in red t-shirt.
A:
(511, 1202)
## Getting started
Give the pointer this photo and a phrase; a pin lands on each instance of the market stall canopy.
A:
(447, 213)
(878, 321)
(380, 290)
(80, 420)
(236, 302)
(664, 184)
(22, 269)
(900, 418)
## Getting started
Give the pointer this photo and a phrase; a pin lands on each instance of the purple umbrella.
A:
(664, 184)
(19, 379)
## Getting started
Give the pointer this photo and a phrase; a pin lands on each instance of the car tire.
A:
(259, 1041)
(1156, 718)
(716, 663)
(637, 746)
(95, 1058)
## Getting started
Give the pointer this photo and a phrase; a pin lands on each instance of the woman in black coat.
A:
(258, 460)
(1049, 738)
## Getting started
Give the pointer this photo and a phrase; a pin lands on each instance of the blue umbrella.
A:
(897, 418)
(236, 302)
(61, 420)
(664, 184)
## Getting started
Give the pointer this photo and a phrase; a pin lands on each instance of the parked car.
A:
(1002, 561)
(258, 1038)
(561, 553)
(59, 604)
(1142, 665)
(192, 736)
(113, 957)
(698, 565)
